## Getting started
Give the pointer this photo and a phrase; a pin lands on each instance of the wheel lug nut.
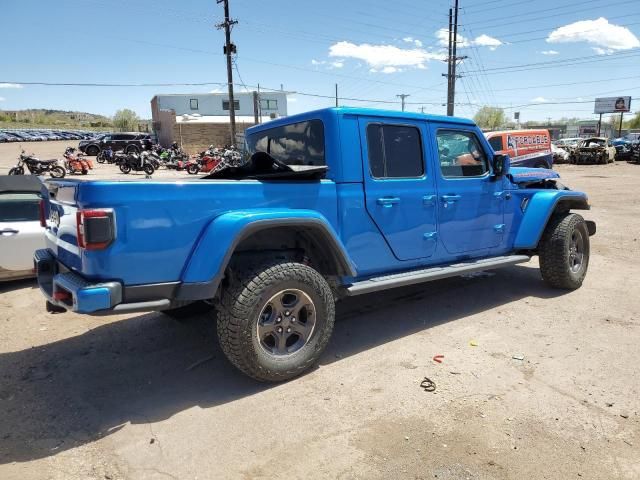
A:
(279, 329)
(293, 319)
(288, 330)
(287, 313)
(278, 320)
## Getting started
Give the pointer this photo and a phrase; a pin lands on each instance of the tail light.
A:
(43, 217)
(96, 228)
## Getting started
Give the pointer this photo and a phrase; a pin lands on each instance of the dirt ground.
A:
(144, 397)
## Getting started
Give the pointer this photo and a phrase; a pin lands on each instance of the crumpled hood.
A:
(531, 175)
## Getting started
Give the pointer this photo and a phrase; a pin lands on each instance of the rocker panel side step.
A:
(435, 273)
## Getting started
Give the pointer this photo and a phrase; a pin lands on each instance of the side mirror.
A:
(501, 164)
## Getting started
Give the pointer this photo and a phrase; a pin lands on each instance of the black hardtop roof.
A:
(20, 184)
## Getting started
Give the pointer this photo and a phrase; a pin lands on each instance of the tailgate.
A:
(62, 232)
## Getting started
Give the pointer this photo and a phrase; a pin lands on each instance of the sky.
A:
(546, 59)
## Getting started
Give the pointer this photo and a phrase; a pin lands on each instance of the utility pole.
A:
(452, 60)
(402, 97)
(336, 94)
(229, 50)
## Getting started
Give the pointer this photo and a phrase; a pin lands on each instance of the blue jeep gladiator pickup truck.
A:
(330, 203)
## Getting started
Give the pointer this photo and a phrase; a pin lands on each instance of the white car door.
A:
(20, 231)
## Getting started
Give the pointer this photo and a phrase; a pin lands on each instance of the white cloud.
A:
(378, 57)
(216, 90)
(415, 41)
(330, 65)
(483, 40)
(487, 41)
(2, 99)
(602, 51)
(539, 100)
(549, 52)
(606, 36)
(10, 85)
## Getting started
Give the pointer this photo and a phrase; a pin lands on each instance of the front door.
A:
(20, 230)
(399, 190)
(470, 199)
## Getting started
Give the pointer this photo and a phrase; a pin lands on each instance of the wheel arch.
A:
(256, 232)
(541, 206)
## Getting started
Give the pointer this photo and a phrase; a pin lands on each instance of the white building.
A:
(201, 119)
(268, 105)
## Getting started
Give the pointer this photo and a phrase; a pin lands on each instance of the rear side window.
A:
(300, 143)
(19, 207)
(461, 154)
(395, 151)
(496, 143)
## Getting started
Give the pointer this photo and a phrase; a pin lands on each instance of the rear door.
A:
(471, 201)
(20, 231)
(399, 190)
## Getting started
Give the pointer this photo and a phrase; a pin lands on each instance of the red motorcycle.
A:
(76, 163)
(205, 164)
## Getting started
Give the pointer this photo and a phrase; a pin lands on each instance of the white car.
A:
(20, 231)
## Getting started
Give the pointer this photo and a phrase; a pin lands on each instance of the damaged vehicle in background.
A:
(593, 150)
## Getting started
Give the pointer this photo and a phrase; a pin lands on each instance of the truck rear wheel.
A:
(564, 251)
(275, 320)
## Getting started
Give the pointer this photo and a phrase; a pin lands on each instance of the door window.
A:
(395, 151)
(496, 143)
(461, 154)
(19, 207)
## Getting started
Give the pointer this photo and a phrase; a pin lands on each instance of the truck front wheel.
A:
(274, 321)
(564, 251)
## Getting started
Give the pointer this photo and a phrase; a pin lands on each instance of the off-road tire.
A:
(92, 151)
(242, 302)
(554, 251)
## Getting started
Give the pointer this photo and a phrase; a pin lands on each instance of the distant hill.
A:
(43, 118)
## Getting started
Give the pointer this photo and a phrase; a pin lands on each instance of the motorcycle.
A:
(106, 156)
(37, 166)
(151, 157)
(134, 162)
(208, 162)
(76, 163)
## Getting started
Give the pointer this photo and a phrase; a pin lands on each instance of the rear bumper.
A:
(72, 292)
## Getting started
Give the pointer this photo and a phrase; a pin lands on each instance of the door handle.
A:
(450, 198)
(388, 202)
(428, 200)
(7, 232)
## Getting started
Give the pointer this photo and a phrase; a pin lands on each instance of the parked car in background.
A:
(526, 148)
(559, 155)
(593, 150)
(132, 142)
(21, 233)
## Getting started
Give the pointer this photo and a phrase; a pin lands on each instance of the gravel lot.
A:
(144, 397)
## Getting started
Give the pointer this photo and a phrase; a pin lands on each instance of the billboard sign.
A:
(612, 105)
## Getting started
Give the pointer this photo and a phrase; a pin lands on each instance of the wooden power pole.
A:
(452, 60)
(229, 50)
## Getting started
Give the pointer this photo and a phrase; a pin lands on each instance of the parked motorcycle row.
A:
(76, 163)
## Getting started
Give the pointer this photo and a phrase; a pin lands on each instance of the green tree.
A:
(634, 122)
(126, 120)
(489, 117)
